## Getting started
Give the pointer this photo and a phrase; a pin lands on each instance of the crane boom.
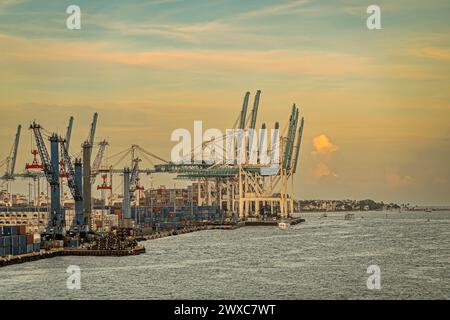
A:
(244, 111)
(70, 171)
(92, 132)
(11, 159)
(299, 141)
(98, 159)
(43, 153)
(291, 129)
(134, 176)
(69, 132)
(255, 110)
(292, 139)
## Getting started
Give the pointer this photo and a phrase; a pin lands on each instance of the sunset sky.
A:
(376, 102)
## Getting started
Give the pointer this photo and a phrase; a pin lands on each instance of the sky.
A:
(376, 103)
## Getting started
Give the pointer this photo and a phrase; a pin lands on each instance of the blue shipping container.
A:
(7, 241)
(14, 241)
(2, 252)
(7, 251)
(10, 230)
(36, 247)
(22, 240)
(23, 249)
(15, 251)
(74, 243)
(29, 248)
(2, 241)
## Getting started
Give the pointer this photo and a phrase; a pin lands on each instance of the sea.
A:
(326, 257)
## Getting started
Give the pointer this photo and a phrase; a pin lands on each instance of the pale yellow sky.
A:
(379, 99)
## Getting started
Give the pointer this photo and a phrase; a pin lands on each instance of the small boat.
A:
(429, 210)
(324, 215)
(349, 216)
(283, 225)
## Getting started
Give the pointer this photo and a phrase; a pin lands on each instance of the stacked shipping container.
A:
(15, 241)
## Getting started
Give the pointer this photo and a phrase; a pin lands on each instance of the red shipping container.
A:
(30, 239)
(21, 230)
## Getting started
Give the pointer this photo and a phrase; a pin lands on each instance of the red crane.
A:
(35, 164)
(104, 185)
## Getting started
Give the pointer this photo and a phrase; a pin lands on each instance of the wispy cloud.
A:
(395, 180)
(433, 53)
(276, 9)
(4, 4)
(322, 170)
(289, 62)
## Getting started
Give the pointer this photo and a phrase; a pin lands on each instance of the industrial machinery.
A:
(56, 225)
(10, 161)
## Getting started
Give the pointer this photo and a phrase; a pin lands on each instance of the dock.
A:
(46, 254)
(291, 221)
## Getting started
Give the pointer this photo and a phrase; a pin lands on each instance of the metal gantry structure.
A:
(243, 189)
(248, 189)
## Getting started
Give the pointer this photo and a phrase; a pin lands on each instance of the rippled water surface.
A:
(325, 258)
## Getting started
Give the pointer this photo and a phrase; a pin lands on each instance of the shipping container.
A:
(36, 246)
(22, 240)
(23, 249)
(2, 252)
(21, 230)
(7, 241)
(74, 243)
(7, 251)
(30, 239)
(14, 241)
(29, 248)
(15, 251)
(10, 230)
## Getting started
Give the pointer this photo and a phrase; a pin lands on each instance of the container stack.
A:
(176, 217)
(15, 241)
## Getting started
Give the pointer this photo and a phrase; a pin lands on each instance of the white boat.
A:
(283, 225)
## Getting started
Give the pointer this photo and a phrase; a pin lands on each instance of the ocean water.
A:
(323, 258)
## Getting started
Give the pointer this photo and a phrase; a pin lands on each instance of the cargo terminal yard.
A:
(61, 216)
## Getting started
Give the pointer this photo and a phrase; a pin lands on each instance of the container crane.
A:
(70, 172)
(74, 181)
(87, 153)
(51, 171)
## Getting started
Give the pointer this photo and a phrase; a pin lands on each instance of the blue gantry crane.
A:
(56, 226)
(74, 178)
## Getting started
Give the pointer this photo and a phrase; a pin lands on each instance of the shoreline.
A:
(29, 257)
